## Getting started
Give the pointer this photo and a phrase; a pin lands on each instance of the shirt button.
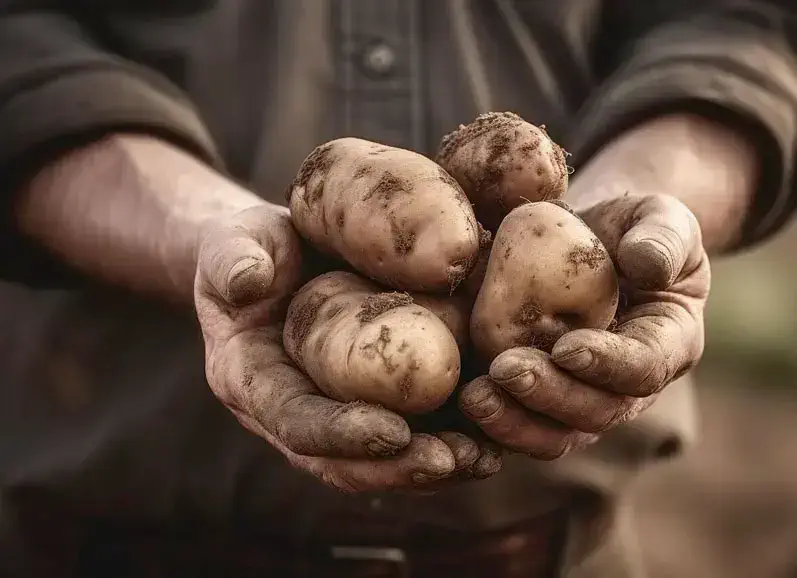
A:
(379, 59)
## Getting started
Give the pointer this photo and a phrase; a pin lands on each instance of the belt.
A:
(359, 550)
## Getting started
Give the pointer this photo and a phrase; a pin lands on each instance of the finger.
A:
(235, 267)
(506, 422)
(262, 381)
(652, 238)
(464, 449)
(531, 378)
(656, 343)
(422, 464)
(489, 463)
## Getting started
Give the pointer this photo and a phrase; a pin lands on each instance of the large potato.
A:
(394, 215)
(359, 343)
(547, 274)
(502, 161)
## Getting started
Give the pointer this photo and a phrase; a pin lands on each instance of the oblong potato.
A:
(547, 274)
(393, 214)
(502, 161)
(357, 342)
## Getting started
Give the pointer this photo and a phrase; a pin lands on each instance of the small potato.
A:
(392, 214)
(502, 161)
(358, 343)
(547, 274)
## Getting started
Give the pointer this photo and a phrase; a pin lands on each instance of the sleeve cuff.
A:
(90, 102)
(714, 90)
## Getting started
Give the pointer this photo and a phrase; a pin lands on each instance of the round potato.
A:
(392, 214)
(547, 274)
(358, 343)
(502, 161)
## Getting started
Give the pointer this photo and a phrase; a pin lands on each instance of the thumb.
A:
(652, 238)
(236, 267)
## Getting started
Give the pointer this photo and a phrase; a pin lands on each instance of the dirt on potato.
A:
(304, 319)
(509, 146)
(319, 162)
(392, 214)
(375, 305)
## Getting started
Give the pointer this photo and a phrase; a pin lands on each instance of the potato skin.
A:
(547, 274)
(453, 311)
(393, 214)
(502, 161)
(358, 343)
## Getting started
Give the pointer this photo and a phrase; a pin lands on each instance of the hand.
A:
(248, 267)
(547, 405)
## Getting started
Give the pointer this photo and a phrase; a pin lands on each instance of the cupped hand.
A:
(249, 266)
(547, 405)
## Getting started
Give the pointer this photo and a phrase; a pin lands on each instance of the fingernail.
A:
(240, 268)
(380, 447)
(507, 370)
(482, 402)
(421, 478)
(577, 360)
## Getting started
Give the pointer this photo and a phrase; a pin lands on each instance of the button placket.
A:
(377, 70)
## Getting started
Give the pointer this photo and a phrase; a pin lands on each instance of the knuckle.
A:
(659, 202)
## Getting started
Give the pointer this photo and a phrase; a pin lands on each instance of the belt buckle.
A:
(395, 556)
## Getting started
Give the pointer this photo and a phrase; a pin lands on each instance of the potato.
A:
(547, 274)
(453, 311)
(394, 215)
(357, 342)
(473, 283)
(502, 161)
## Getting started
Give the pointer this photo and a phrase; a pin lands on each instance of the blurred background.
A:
(730, 509)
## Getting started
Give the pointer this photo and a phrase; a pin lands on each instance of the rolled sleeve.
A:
(735, 65)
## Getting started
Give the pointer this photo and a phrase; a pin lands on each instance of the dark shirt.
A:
(105, 408)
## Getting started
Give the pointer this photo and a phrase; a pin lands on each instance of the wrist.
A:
(711, 168)
(129, 210)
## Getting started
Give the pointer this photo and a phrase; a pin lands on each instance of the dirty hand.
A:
(546, 405)
(248, 268)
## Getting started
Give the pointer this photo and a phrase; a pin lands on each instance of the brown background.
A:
(729, 510)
